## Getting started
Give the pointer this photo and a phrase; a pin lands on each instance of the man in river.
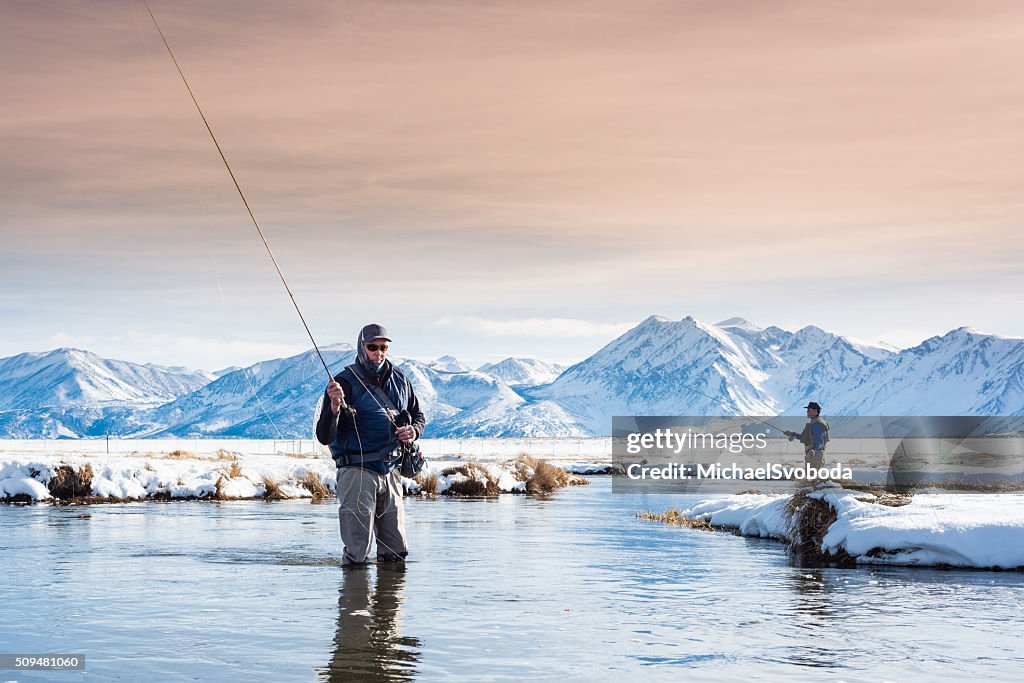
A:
(369, 411)
(814, 437)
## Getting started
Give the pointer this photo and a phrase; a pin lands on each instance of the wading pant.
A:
(815, 459)
(370, 505)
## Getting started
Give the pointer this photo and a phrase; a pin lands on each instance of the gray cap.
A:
(372, 332)
(812, 405)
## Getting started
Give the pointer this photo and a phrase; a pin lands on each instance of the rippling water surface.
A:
(571, 587)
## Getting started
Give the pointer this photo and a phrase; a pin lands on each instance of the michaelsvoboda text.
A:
(766, 472)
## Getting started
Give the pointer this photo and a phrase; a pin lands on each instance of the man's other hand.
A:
(405, 434)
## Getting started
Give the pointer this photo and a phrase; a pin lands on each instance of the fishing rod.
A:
(723, 404)
(241, 194)
(266, 244)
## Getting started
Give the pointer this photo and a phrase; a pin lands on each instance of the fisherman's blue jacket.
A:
(369, 441)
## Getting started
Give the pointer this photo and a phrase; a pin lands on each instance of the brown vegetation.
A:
(542, 477)
(810, 519)
(427, 483)
(546, 478)
(181, 455)
(315, 485)
(232, 471)
(272, 489)
(676, 518)
(478, 481)
(68, 483)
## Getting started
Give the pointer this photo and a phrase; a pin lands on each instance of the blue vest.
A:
(373, 438)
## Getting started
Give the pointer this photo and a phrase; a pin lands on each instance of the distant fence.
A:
(596, 447)
(197, 446)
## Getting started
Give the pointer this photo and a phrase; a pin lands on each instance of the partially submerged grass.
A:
(478, 481)
(542, 477)
(68, 483)
(272, 489)
(546, 478)
(427, 483)
(676, 518)
(810, 519)
(315, 485)
(218, 492)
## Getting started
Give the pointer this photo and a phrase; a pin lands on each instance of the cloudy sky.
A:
(499, 178)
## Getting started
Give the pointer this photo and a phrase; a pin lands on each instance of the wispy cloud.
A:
(170, 349)
(561, 328)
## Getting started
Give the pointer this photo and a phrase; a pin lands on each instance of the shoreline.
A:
(828, 525)
(84, 479)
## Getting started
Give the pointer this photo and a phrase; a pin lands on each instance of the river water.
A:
(571, 587)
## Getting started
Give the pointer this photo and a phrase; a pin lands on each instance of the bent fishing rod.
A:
(723, 404)
(241, 194)
(266, 244)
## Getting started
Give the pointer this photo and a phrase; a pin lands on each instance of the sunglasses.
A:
(376, 347)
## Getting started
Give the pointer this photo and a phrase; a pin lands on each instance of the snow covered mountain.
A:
(271, 399)
(963, 372)
(523, 371)
(70, 392)
(660, 367)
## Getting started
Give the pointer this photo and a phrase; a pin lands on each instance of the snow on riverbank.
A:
(956, 529)
(173, 475)
(31, 477)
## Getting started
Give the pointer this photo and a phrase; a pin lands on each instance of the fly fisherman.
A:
(814, 437)
(368, 412)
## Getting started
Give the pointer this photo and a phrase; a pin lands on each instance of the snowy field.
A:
(959, 530)
(563, 448)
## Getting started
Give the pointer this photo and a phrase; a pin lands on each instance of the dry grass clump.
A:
(958, 484)
(542, 477)
(232, 471)
(546, 478)
(810, 519)
(272, 489)
(427, 483)
(478, 481)
(180, 454)
(68, 483)
(220, 455)
(523, 466)
(527, 460)
(676, 518)
(315, 485)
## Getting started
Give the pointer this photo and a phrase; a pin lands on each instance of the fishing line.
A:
(207, 232)
(724, 405)
(238, 187)
(266, 244)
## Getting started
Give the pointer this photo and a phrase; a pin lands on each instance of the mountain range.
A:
(660, 367)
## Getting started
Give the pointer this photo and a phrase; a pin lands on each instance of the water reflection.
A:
(369, 645)
(813, 619)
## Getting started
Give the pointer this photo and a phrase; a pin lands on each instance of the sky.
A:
(505, 178)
